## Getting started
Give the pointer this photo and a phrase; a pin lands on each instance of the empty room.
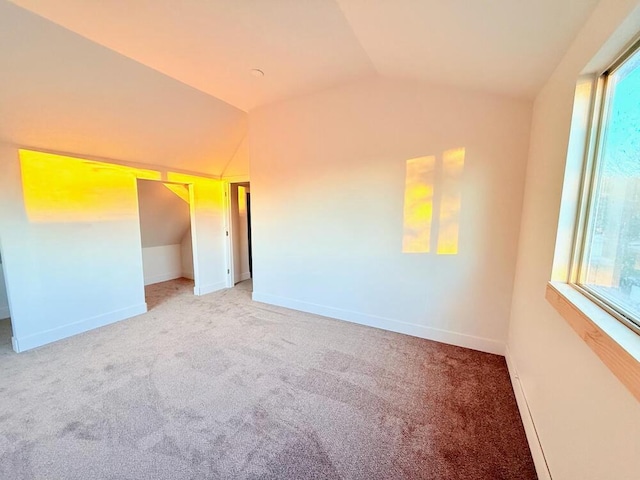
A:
(320, 239)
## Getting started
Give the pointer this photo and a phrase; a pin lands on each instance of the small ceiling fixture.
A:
(256, 72)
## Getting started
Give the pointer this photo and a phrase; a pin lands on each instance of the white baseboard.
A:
(535, 446)
(4, 312)
(244, 276)
(213, 287)
(429, 333)
(20, 344)
(163, 277)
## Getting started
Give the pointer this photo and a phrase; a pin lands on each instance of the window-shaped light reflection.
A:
(432, 202)
(450, 201)
(418, 205)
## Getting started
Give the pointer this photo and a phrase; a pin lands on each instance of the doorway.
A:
(6, 331)
(165, 237)
(240, 232)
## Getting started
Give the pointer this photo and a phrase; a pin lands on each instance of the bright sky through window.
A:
(611, 264)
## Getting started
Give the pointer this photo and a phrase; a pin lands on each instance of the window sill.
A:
(616, 345)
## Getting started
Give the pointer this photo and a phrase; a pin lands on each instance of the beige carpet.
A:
(219, 387)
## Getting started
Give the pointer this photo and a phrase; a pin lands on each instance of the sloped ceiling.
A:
(164, 217)
(302, 46)
(61, 92)
(502, 46)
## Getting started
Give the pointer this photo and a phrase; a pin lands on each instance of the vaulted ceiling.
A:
(168, 82)
(60, 92)
(503, 46)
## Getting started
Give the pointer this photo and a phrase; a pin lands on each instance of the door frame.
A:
(3, 270)
(228, 185)
(192, 219)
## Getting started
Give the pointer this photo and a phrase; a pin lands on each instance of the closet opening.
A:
(6, 329)
(166, 240)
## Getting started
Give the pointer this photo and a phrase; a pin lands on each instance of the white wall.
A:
(60, 92)
(208, 230)
(238, 167)
(71, 244)
(328, 180)
(69, 270)
(4, 302)
(186, 255)
(162, 263)
(588, 423)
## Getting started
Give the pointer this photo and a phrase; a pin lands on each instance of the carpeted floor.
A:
(219, 387)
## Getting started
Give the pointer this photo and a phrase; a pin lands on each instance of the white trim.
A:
(4, 312)
(163, 277)
(231, 261)
(65, 331)
(615, 343)
(228, 218)
(537, 452)
(195, 257)
(205, 289)
(453, 338)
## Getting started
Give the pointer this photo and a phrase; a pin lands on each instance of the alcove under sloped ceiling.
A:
(165, 231)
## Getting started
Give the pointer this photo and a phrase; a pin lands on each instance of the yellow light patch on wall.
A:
(139, 173)
(207, 192)
(418, 205)
(57, 188)
(450, 201)
(182, 191)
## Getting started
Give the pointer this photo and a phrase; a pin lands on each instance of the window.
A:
(607, 257)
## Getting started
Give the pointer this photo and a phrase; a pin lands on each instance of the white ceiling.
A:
(502, 46)
(63, 93)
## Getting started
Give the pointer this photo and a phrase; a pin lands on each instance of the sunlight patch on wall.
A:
(182, 191)
(206, 192)
(65, 189)
(418, 205)
(58, 188)
(449, 219)
(432, 202)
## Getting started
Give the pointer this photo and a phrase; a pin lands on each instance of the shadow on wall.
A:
(432, 202)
